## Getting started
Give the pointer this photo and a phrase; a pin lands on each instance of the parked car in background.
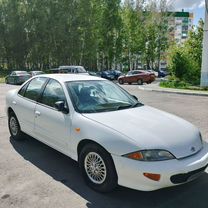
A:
(92, 73)
(73, 70)
(162, 73)
(137, 76)
(84, 117)
(17, 77)
(115, 73)
(107, 75)
(34, 73)
(153, 71)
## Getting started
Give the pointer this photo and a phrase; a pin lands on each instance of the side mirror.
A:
(60, 106)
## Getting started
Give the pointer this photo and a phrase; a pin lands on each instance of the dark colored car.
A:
(137, 76)
(107, 75)
(115, 73)
(162, 73)
(72, 70)
(17, 77)
(34, 73)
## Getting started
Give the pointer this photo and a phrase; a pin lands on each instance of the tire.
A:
(14, 127)
(140, 82)
(120, 81)
(6, 81)
(129, 83)
(105, 179)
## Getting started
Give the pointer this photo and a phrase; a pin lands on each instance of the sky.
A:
(195, 6)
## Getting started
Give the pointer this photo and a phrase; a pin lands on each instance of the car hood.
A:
(153, 129)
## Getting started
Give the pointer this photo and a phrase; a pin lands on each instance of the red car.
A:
(137, 76)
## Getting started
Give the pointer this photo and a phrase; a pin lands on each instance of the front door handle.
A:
(37, 113)
(14, 102)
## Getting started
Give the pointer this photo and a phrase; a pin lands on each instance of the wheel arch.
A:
(84, 142)
(10, 110)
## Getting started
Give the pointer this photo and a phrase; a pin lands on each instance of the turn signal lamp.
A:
(152, 176)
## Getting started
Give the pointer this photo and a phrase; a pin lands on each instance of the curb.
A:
(174, 92)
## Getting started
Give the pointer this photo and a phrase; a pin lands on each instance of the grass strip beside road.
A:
(2, 79)
(181, 85)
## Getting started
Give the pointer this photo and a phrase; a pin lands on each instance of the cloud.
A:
(202, 4)
(187, 4)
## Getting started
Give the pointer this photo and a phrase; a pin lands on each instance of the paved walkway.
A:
(156, 88)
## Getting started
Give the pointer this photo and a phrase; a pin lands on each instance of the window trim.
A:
(41, 96)
(27, 83)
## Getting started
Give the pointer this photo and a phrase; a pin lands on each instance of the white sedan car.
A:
(114, 138)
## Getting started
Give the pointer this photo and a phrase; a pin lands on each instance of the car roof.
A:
(70, 77)
(71, 66)
(36, 71)
(20, 71)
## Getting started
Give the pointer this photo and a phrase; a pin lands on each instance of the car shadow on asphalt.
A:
(62, 168)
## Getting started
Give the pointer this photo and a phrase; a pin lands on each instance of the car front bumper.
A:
(173, 172)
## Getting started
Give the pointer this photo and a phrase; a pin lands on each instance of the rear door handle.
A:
(37, 113)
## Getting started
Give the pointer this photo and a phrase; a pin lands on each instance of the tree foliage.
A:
(185, 60)
(37, 34)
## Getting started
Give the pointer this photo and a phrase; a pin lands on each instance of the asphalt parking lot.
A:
(34, 175)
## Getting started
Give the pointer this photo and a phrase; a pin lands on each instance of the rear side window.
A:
(34, 88)
(23, 89)
(53, 92)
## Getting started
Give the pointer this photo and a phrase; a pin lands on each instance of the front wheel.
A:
(120, 81)
(97, 168)
(14, 127)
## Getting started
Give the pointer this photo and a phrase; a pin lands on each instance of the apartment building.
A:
(179, 23)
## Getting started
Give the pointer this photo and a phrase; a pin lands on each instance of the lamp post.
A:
(204, 70)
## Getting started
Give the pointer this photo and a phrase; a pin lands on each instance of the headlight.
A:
(150, 155)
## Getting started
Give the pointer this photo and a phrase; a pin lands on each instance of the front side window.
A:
(53, 93)
(99, 96)
(34, 88)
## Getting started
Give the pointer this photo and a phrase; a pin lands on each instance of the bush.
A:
(183, 66)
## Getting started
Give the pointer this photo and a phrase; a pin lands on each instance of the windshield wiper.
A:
(120, 107)
(138, 104)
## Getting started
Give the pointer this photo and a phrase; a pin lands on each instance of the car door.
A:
(25, 103)
(127, 78)
(51, 125)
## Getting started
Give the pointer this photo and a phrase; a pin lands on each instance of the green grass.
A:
(2, 80)
(181, 85)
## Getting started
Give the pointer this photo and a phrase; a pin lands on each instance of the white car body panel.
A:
(153, 129)
(52, 127)
(119, 132)
(133, 175)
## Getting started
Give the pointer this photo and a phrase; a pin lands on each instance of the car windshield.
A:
(99, 96)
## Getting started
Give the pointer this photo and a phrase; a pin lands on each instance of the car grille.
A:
(182, 178)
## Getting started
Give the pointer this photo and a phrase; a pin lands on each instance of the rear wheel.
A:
(14, 127)
(97, 168)
(140, 82)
